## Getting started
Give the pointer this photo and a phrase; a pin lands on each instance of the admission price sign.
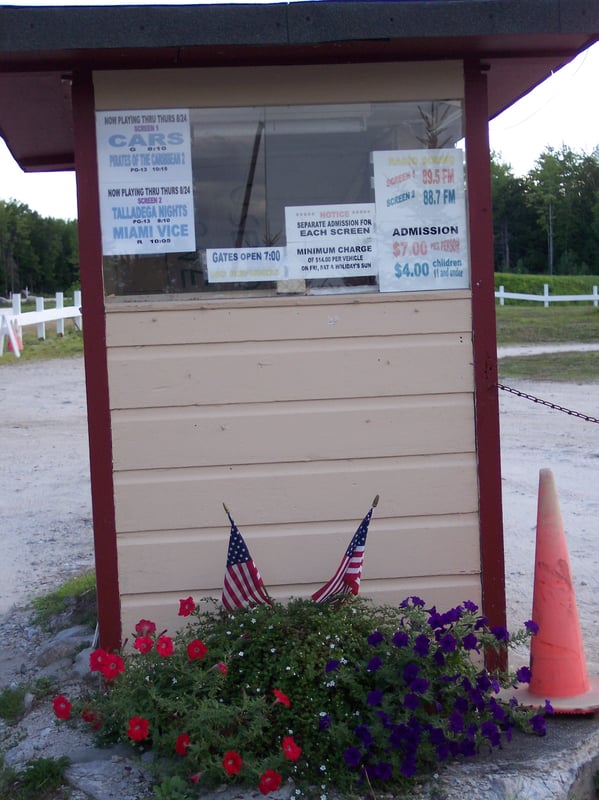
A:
(422, 234)
(145, 177)
(333, 241)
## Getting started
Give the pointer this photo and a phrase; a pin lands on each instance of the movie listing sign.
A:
(145, 177)
(246, 264)
(422, 235)
(334, 241)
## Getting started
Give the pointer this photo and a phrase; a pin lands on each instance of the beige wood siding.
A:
(231, 86)
(295, 412)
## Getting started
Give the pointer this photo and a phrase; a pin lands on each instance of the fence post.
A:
(77, 302)
(41, 328)
(595, 297)
(546, 295)
(501, 296)
(60, 322)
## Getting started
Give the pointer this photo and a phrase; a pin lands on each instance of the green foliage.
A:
(39, 253)
(12, 703)
(41, 779)
(547, 221)
(77, 596)
(341, 697)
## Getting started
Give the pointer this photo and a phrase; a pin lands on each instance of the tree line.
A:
(546, 222)
(36, 253)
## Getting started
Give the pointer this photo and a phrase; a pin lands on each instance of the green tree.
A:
(516, 231)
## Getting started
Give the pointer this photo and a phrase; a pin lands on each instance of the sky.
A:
(561, 111)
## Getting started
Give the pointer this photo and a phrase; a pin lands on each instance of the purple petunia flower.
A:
(421, 645)
(448, 643)
(411, 701)
(500, 633)
(491, 732)
(364, 735)
(410, 672)
(374, 664)
(376, 637)
(470, 606)
(456, 722)
(383, 771)
(531, 626)
(352, 756)
(548, 707)
(467, 747)
(408, 768)
(453, 615)
(374, 698)
(470, 642)
(332, 666)
(538, 724)
(324, 723)
(419, 685)
(523, 675)
(400, 639)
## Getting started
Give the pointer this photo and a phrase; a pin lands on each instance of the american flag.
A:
(242, 584)
(347, 578)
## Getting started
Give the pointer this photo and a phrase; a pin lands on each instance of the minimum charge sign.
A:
(422, 234)
(145, 178)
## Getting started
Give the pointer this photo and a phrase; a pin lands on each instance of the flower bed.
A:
(342, 697)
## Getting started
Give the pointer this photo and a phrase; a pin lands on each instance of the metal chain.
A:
(555, 406)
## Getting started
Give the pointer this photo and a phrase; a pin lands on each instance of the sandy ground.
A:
(45, 506)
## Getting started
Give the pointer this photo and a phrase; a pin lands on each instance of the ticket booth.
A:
(287, 276)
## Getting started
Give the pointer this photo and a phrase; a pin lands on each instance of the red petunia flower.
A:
(112, 666)
(186, 607)
(291, 749)
(232, 762)
(145, 627)
(281, 698)
(182, 744)
(195, 778)
(92, 718)
(165, 646)
(196, 649)
(222, 667)
(138, 729)
(270, 781)
(62, 707)
(97, 660)
(144, 644)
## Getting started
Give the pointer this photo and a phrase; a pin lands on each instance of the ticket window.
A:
(284, 200)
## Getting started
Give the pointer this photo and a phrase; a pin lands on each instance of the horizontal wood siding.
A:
(295, 412)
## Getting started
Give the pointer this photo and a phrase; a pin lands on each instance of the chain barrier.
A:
(554, 406)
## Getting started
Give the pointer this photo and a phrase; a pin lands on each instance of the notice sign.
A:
(422, 234)
(330, 241)
(145, 177)
(244, 264)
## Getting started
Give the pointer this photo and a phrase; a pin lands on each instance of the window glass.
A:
(285, 200)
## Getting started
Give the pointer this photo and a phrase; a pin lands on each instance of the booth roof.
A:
(519, 42)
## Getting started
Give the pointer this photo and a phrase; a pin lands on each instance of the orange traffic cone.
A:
(557, 660)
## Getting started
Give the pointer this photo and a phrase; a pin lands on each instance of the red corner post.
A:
(96, 367)
(485, 348)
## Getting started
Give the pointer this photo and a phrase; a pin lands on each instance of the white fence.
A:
(11, 321)
(546, 298)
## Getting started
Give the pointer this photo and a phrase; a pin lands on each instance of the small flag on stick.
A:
(242, 585)
(347, 578)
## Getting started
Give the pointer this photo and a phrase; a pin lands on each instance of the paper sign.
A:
(421, 227)
(145, 178)
(243, 264)
(335, 241)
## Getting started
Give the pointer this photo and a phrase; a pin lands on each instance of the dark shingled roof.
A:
(521, 42)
